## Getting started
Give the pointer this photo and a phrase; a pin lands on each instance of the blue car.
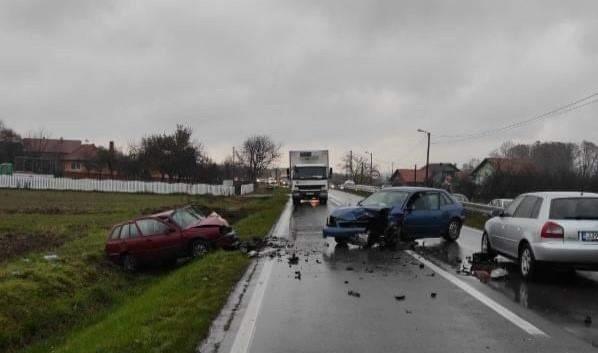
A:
(398, 213)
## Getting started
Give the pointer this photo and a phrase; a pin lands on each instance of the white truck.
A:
(309, 172)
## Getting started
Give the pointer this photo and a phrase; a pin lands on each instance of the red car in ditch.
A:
(167, 236)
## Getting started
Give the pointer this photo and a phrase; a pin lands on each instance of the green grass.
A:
(50, 305)
(475, 220)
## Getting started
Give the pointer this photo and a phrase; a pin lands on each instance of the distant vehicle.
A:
(502, 203)
(348, 184)
(397, 213)
(309, 173)
(167, 236)
(460, 197)
(546, 227)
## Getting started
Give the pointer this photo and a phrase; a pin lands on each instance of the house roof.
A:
(410, 175)
(512, 165)
(83, 153)
(59, 146)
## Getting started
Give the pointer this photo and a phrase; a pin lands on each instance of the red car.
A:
(167, 236)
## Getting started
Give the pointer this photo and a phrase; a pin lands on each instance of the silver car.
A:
(546, 227)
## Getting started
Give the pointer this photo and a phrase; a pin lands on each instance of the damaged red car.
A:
(167, 236)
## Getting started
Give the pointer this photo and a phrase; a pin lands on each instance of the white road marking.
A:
(499, 309)
(244, 336)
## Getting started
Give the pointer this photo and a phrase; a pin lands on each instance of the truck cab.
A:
(309, 174)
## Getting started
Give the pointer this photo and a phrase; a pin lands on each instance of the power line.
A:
(555, 112)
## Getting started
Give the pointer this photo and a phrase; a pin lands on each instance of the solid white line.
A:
(499, 309)
(244, 336)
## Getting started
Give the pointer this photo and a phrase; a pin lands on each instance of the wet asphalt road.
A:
(314, 313)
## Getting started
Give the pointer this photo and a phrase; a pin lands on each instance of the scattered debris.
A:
(346, 282)
(433, 295)
(498, 273)
(421, 266)
(588, 320)
(349, 268)
(369, 270)
(298, 275)
(408, 311)
(51, 257)
(431, 274)
(252, 253)
(400, 297)
(318, 261)
(354, 294)
(293, 260)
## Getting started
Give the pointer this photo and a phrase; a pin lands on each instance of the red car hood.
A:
(212, 220)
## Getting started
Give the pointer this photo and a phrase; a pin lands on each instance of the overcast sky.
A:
(312, 74)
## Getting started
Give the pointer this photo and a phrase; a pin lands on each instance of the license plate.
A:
(589, 236)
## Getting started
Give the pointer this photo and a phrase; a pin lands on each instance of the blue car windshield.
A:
(386, 198)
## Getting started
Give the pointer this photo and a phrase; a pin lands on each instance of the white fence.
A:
(129, 186)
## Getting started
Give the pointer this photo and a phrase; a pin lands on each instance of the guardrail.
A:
(365, 188)
(480, 208)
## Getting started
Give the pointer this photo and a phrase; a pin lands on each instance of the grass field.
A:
(80, 302)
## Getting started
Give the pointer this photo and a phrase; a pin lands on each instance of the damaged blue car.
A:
(397, 213)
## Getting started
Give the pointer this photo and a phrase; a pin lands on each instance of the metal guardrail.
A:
(480, 208)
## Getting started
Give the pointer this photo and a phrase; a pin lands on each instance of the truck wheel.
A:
(296, 202)
(323, 201)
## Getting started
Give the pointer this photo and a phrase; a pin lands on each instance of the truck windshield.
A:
(574, 208)
(309, 173)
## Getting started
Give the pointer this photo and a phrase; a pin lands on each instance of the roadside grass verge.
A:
(475, 220)
(48, 305)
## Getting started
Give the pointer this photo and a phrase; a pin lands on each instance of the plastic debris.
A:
(498, 273)
(400, 297)
(354, 294)
(51, 257)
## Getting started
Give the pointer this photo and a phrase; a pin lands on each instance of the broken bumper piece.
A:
(339, 232)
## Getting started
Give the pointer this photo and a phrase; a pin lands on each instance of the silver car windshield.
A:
(574, 208)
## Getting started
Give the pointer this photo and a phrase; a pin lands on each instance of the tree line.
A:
(173, 156)
(555, 166)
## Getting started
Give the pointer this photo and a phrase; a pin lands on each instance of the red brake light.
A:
(552, 230)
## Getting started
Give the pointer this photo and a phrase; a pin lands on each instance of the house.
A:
(438, 174)
(490, 166)
(408, 177)
(70, 158)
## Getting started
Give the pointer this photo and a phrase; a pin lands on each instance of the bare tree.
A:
(587, 159)
(258, 152)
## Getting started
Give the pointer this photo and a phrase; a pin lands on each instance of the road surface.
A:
(306, 307)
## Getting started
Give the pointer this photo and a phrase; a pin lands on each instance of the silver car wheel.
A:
(485, 243)
(526, 260)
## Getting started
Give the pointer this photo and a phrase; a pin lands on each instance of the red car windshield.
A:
(185, 217)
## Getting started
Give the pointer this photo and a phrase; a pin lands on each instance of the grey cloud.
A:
(337, 74)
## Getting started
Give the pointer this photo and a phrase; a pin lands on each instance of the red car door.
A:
(160, 241)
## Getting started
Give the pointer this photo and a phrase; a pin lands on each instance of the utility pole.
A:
(427, 154)
(371, 168)
(351, 164)
(233, 167)
(415, 175)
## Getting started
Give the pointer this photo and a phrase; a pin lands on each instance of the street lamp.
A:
(427, 154)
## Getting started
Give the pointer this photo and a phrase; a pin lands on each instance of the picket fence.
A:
(129, 186)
